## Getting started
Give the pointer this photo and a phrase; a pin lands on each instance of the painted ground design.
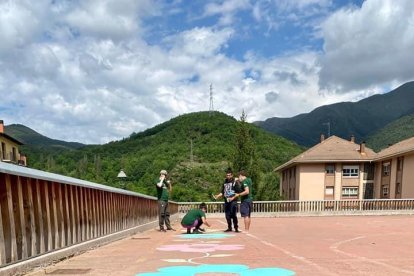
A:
(348, 245)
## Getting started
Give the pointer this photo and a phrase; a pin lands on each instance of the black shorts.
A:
(246, 208)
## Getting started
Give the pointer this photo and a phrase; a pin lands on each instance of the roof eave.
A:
(321, 161)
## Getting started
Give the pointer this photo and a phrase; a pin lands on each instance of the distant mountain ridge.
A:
(361, 119)
(195, 148)
(30, 137)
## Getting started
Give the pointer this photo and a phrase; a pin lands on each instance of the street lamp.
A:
(122, 178)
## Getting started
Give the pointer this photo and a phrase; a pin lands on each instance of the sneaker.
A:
(171, 229)
(163, 230)
(202, 229)
(237, 230)
(228, 230)
(196, 231)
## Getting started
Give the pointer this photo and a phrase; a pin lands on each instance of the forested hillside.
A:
(392, 133)
(361, 119)
(195, 171)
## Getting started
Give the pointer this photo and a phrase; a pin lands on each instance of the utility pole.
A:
(211, 109)
(191, 151)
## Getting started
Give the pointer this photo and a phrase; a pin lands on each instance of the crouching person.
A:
(194, 219)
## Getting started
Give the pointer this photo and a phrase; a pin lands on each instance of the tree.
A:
(244, 157)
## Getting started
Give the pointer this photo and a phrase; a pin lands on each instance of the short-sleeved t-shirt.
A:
(228, 189)
(247, 183)
(192, 216)
(162, 192)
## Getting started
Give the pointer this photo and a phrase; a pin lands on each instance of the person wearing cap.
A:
(164, 188)
(194, 219)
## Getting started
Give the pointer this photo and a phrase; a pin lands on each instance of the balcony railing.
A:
(42, 212)
(317, 206)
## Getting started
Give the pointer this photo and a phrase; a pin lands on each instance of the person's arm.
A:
(159, 184)
(217, 196)
(245, 192)
(204, 220)
(169, 185)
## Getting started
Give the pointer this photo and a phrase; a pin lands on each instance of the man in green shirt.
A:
(163, 194)
(246, 204)
(195, 218)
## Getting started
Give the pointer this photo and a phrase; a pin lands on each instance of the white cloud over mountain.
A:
(86, 71)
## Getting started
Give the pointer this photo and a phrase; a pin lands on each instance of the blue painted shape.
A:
(241, 270)
(205, 236)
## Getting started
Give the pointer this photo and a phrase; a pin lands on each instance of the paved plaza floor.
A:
(347, 245)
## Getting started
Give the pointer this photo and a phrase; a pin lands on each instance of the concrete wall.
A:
(408, 177)
(312, 182)
(9, 148)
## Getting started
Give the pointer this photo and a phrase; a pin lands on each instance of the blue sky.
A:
(94, 71)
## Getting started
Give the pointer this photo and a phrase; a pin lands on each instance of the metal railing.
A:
(316, 206)
(41, 212)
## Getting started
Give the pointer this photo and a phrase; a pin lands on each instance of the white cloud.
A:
(114, 19)
(21, 22)
(227, 9)
(82, 71)
(368, 46)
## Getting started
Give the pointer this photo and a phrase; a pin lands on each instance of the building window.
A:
(386, 168)
(350, 192)
(350, 171)
(3, 150)
(329, 191)
(385, 190)
(330, 169)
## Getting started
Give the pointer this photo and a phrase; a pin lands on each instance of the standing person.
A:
(246, 199)
(163, 194)
(194, 219)
(230, 205)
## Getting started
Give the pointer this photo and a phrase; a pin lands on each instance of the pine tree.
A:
(244, 157)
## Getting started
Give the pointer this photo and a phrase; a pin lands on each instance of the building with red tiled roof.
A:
(337, 169)
(9, 148)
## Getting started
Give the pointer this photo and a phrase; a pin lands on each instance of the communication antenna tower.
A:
(211, 109)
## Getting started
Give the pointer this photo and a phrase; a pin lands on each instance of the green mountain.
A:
(361, 119)
(195, 171)
(32, 138)
(392, 133)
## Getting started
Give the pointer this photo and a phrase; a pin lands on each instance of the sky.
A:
(94, 71)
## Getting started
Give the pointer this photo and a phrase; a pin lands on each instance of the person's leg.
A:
(199, 223)
(244, 213)
(234, 215)
(189, 227)
(227, 210)
(247, 210)
(247, 223)
(167, 218)
(161, 208)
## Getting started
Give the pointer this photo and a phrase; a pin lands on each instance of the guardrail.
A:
(42, 212)
(317, 206)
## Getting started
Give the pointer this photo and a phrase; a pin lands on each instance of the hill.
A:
(361, 119)
(392, 133)
(168, 146)
(32, 138)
